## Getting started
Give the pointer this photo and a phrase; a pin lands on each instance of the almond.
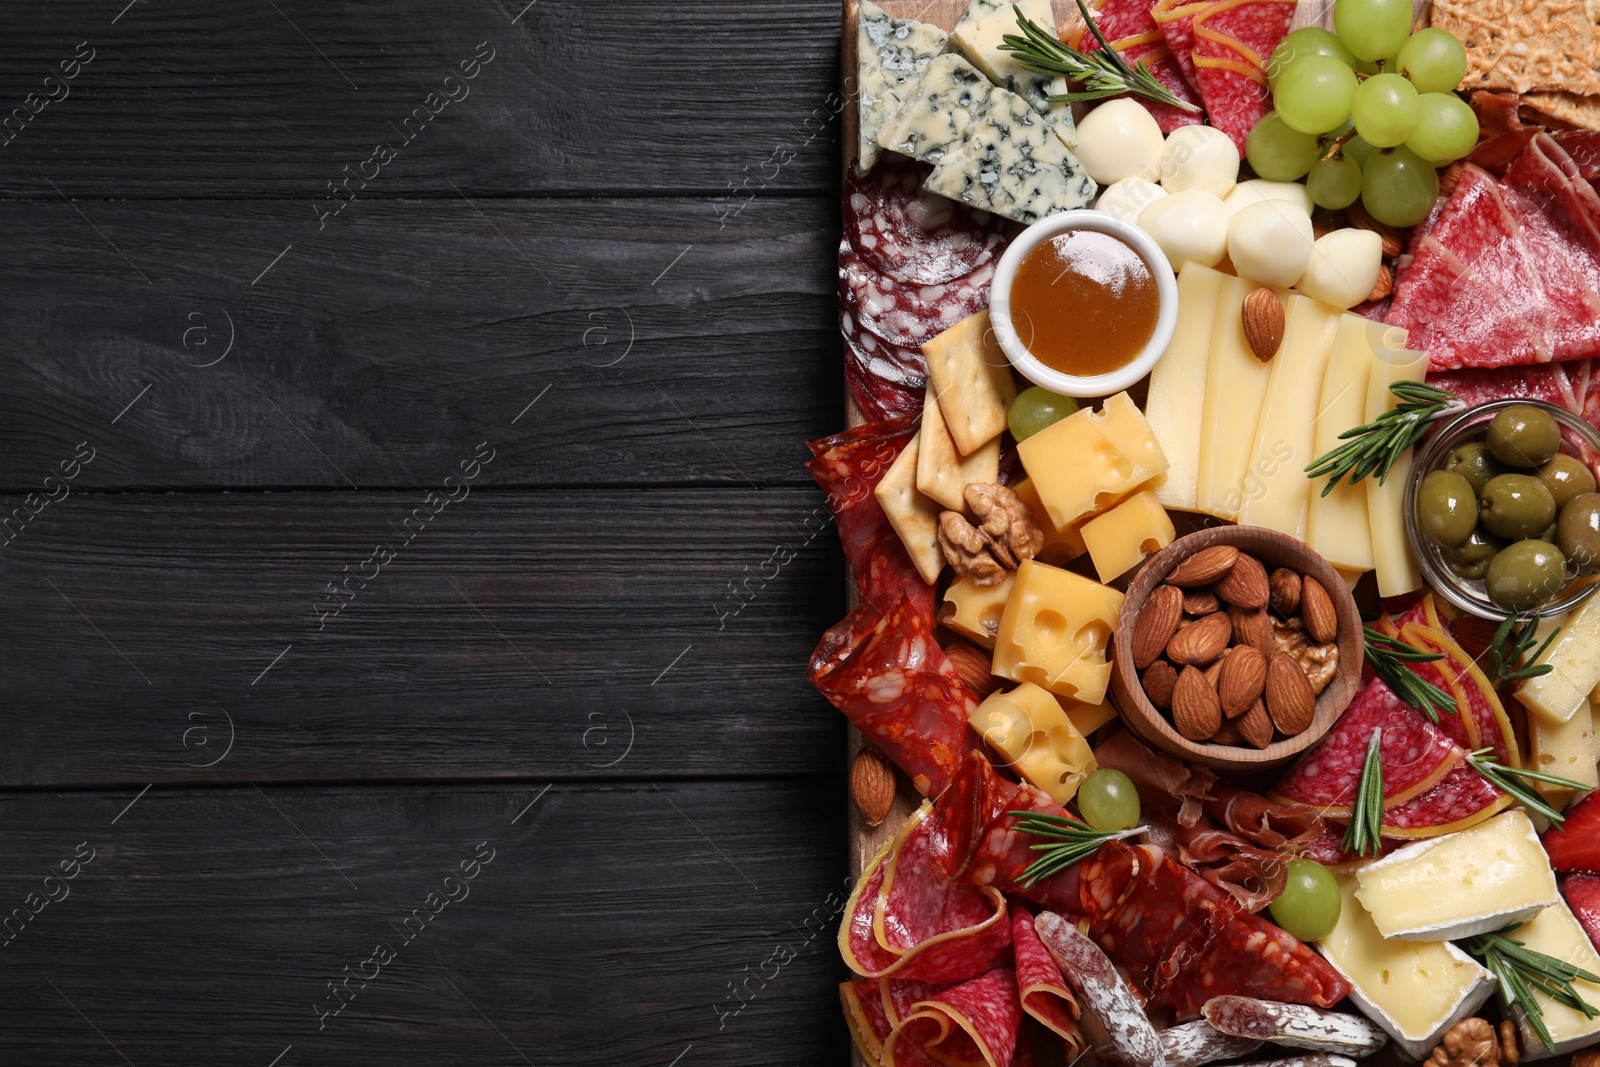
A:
(1326, 224)
(1195, 711)
(1449, 177)
(974, 668)
(1384, 285)
(1227, 734)
(1255, 725)
(1252, 628)
(1243, 677)
(872, 785)
(1159, 678)
(1214, 671)
(1204, 567)
(1155, 624)
(1263, 322)
(1283, 594)
(1201, 642)
(1387, 234)
(1199, 602)
(1245, 586)
(1316, 608)
(1290, 700)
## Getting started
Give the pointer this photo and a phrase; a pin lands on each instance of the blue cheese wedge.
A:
(1012, 164)
(979, 35)
(891, 57)
(1474, 881)
(1555, 932)
(1415, 990)
(948, 103)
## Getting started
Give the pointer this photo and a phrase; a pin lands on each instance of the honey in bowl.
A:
(1084, 303)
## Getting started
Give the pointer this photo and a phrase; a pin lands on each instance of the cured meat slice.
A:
(891, 679)
(1175, 18)
(1584, 148)
(1583, 897)
(1263, 822)
(1415, 754)
(886, 381)
(906, 314)
(1112, 1015)
(912, 235)
(1044, 991)
(1328, 848)
(1482, 721)
(1464, 798)
(1129, 28)
(1550, 382)
(1295, 1025)
(1547, 199)
(1232, 41)
(977, 1022)
(847, 468)
(1254, 877)
(901, 923)
(865, 1017)
(1196, 1043)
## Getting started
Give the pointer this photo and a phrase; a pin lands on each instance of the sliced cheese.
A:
(891, 56)
(1060, 544)
(1555, 932)
(1120, 539)
(1179, 379)
(1076, 470)
(1054, 630)
(979, 35)
(1276, 491)
(914, 516)
(972, 379)
(1470, 882)
(1336, 524)
(1415, 990)
(1236, 386)
(1565, 749)
(1030, 729)
(1386, 519)
(1575, 655)
(942, 472)
(974, 610)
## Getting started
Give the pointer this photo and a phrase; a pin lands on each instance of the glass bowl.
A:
(1578, 439)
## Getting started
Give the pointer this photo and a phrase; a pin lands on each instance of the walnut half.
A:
(1320, 662)
(1006, 534)
(1474, 1043)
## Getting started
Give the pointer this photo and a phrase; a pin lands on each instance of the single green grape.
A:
(1035, 408)
(1314, 94)
(1308, 908)
(1372, 29)
(1277, 151)
(1310, 41)
(1398, 187)
(1385, 110)
(1109, 801)
(1433, 60)
(1334, 183)
(1358, 150)
(1447, 128)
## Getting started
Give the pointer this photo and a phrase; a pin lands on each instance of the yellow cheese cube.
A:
(1391, 554)
(1130, 433)
(1054, 630)
(1336, 524)
(914, 517)
(1236, 386)
(1555, 932)
(1088, 717)
(1076, 470)
(942, 472)
(1179, 381)
(1119, 540)
(1575, 655)
(1060, 545)
(972, 379)
(974, 610)
(1565, 749)
(1029, 728)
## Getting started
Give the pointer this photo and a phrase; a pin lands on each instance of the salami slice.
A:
(906, 314)
(1583, 897)
(1481, 721)
(891, 679)
(1546, 194)
(915, 236)
(1233, 40)
(886, 381)
(1416, 755)
(1464, 798)
(865, 1017)
(901, 923)
(977, 1022)
(1044, 991)
(1128, 26)
(1328, 849)
(1550, 382)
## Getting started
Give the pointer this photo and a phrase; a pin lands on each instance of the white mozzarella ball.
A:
(1257, 190)
(1270, 242)
(1190, 227)
(1199, 157)
(1125, 199)
(1120, 140)
(1344, 267)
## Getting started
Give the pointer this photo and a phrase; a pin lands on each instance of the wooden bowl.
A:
(1273, 549)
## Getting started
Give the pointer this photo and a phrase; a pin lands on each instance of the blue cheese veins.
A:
(979, 35)
(891, 57)
(1013, 164)
(952, 97)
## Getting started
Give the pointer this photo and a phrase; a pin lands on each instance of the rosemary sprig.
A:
(1508, 658)
(1522, 970)
(1379, 444)
(1066, 842)
(1389, 657)
(1103, 73)
(1366, 821)
(1513, 780)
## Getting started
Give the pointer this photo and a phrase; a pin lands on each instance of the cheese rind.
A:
(979, 35)
(974, 610)
(1031, 730)
(1556, 932)
(1236, 386)
(1178, 379)
(1337, 526)
(1120, 539)
(943, 473)
(1415, 990)
(971, 376)
(1054, 630)
(1011, 163)
(1391, 554)
(891, 56)
(1471, 882)
(1575, 655)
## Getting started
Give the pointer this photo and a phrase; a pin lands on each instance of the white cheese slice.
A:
(1178, 379)
(891, 56)
(979, 35)
(1010, 163)
(1336, 524)
(1555, 932)
(1391, 554)
(1415, 990)
(1575, 655)
(1236, 386)
(1565, 749)
(949, 100)
(1471, 882)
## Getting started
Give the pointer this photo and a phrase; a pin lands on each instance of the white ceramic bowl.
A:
(1074, 384)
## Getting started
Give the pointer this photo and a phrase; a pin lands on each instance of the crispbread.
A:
(972, 379)
(942, 473)
(914, 516)
(1526, 45)
(1581, 111)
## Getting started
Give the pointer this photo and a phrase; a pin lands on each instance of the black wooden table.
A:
(408, 561)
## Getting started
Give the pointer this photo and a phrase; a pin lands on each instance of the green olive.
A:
(1516, 506)
(1523, 436)
(1578, 532)
(1566, 476)
(1470, 559)
(1446, 508)
(1525, 574)
(1474, 462)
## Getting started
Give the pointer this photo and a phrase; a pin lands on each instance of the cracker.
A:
(972, 378)
(914, 516)
(1580, 111)
(1526, 45)
(942, 472)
